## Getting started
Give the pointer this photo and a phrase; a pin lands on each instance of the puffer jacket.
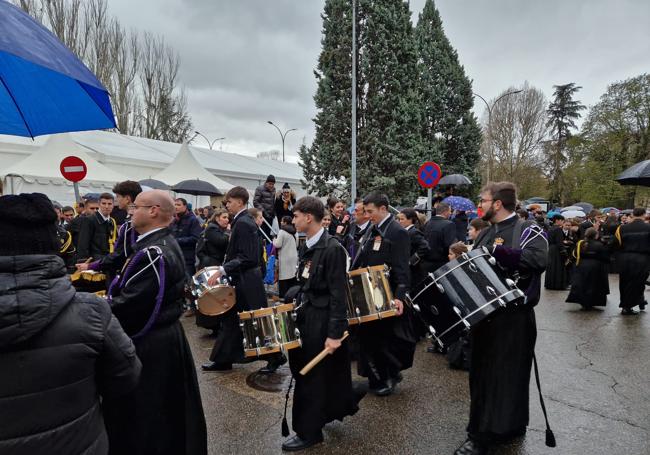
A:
(59, 352)
(264, 200)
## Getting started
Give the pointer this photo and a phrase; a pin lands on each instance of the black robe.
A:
(556, 277)
(418, 253)
(503, 344)
(243, 267)
(325, 393)
(387, 346)
(95, 234)
(633, 261)
(164, 414)
(590, 281)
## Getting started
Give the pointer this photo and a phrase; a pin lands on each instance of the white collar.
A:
(410, 226)
(364, 225)
(239, 213)
(314, 240)
(106, 218)
(384, 220)
(141, 236)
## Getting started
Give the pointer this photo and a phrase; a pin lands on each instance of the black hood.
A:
(33, 291)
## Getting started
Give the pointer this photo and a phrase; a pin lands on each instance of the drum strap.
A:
(550, 437)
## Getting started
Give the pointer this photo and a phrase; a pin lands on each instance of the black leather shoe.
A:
(213, 366)
(384, 390)
(273, 364)
(471, 447)
(642, 306)
(295, 443)
(628, 312)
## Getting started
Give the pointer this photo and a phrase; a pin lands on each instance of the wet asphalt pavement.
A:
(595, 373)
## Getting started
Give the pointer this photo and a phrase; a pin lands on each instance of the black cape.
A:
(325, 393)
(556, 277)
(633, 262)
(590, 281)
(164, 414)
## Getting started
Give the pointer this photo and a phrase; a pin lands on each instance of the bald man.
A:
(164, 414)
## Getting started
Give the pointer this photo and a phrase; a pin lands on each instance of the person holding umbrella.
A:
(633, 242)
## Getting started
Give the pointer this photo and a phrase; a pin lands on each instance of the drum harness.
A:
(122, 280)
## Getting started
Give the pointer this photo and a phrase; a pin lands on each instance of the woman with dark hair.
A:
(589, 284)
(340, 218)
(556, 273)
(409, 220)
(212, 245)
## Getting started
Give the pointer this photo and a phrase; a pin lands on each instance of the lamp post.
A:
(210, 144)
(282, 135)
(489, 109)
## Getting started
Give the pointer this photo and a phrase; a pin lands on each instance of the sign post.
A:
(429, 175)
(74, 169)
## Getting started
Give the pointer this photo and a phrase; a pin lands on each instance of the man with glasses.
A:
(164, 414)
(503, 344)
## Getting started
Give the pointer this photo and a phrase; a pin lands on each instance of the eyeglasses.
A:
(485, 200)
(135, 207)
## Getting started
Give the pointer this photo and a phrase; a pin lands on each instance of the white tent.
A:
(186, 167)
(39, 172)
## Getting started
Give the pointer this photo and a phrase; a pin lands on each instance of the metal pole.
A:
(353, 176)
(429, 202)
(75, 185)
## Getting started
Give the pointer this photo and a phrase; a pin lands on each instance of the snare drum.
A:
(212, 300)
(369, 296)
(475, 288)
(269, 330)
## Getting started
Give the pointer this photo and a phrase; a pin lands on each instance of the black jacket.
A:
(264, 200)
(95, 236)
(440, 234)
(59, 352)
(394, 250)
(186, 230)
(212, 245)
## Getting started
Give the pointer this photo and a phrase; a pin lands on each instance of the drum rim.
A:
(361, 271)
(265, 312)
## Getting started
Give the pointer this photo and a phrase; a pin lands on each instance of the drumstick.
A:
(316, 360)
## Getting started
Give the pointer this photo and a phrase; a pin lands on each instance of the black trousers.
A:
(633, 273)
(499, 375)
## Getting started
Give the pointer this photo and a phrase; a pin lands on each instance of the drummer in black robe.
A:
(242, 265)
(504, 343)
(325, 393)
(164, 414)
(387, 346)
(633, 241)
(556, 277)
(590, 282)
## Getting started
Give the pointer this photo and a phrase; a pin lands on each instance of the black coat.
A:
(440, 233)
(633, 241)
(556, 271)
(113, 262)
(460, 223)
(187, 229)
(164, 414)
(325, 394)
(280, 211)
(60, 351)
(419, 251)
(94, 237)
(211, 247)
(590, 281)
(353, 239)
(503, 344)
(243, 267)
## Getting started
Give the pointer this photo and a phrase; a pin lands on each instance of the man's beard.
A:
(488, 215)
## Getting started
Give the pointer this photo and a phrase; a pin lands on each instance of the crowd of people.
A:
(127, 354)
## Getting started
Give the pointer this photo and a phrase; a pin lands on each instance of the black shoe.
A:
(213, 366)
(273, 364)
(471, 447)
(628, 312)
(295, 443)
(642, 306)
(385, 389)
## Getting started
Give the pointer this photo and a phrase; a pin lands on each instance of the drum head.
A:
(217, 300)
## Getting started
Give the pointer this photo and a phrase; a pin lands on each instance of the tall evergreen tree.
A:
(450, 130)
(326, 164)
(390, 148)
(562, 113)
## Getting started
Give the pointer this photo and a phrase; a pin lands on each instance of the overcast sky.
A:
(244, 62)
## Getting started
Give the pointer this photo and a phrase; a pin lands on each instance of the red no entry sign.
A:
(429, 174)
(73, 168)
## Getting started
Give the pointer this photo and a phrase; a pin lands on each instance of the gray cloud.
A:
(244, 62)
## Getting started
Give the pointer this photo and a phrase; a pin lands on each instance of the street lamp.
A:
(283, 136)
(489, 109)
(210, 144)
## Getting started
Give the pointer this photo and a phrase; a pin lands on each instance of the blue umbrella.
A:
(459, 203)
(44, 87)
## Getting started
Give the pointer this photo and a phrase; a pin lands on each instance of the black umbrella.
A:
(639, 174)
(454, 179)
(197, 188)
(154, 184)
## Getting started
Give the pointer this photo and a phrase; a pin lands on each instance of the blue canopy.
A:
(44, 87)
